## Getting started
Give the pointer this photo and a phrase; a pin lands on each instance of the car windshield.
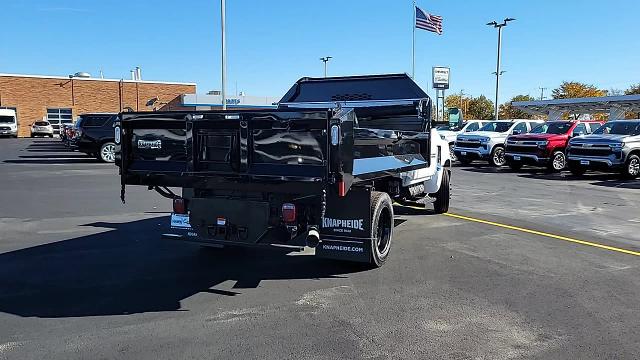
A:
(42, 123)
(7, 119)
(619, 128)
(557, 128)
(497, 126)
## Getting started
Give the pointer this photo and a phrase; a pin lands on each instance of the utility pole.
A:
(224, 56)
(461, 96)
(325, 60)
(542, 89)
(498, 72)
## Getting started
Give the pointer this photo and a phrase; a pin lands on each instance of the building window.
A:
(58, 117)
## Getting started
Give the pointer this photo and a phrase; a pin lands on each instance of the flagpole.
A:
(413, 48)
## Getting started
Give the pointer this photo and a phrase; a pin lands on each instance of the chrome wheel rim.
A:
(634, 167)
(559, 161)
(498, 157)
(108, 153)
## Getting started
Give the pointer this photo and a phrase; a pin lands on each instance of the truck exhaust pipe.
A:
(313, 238)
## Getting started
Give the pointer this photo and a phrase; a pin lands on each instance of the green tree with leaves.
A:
(507, 111)
(574, 89)
(480, 108)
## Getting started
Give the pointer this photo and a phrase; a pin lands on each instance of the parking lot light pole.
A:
(498, 72)
(224, 56)
(325, 60)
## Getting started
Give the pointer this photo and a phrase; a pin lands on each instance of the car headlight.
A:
(617, 147)
(542, 143)
(484, 140)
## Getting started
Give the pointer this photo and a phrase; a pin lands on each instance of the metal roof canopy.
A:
(616, 106)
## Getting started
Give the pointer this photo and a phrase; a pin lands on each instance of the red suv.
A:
(545, 145)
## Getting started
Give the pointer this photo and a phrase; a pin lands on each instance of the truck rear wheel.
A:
(381, 227)
(441, 205)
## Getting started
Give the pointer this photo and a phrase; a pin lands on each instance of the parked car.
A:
(450, 133)
(614, 147)
(94, 135)
(488, 142)
(8, 123)
(41, 128)
(545, 145)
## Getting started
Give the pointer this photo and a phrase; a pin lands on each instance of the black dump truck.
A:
(322, 170)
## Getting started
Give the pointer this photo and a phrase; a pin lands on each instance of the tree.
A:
(480, 108)
(507, 111)
(573, 89)
(633, 90)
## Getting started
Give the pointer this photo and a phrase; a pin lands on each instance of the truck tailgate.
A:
(185, 149)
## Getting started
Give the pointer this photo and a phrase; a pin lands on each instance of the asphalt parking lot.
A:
(526, 265)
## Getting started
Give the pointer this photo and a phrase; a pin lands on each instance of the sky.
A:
(271, 44)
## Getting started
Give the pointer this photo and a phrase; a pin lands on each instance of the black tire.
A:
(577, 170)
(441, 205)
(558, 161)
(498, 157)
(631, 168)
(381, 228)
(464, 160)
(515, 165)
(107, 152)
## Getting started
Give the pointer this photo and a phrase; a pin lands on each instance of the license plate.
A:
(463, 153)
(584, 162)
(180, 221)
(516, 157)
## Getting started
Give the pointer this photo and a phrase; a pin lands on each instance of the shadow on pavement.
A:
(54, 160)
(128, 269)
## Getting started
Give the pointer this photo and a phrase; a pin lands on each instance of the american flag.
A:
(428, 22)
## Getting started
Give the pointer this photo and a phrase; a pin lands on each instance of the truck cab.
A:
(614, 147)
(8, 123)
(488, 142)
(545, 145)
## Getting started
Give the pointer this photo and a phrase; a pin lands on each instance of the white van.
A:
(8, 123)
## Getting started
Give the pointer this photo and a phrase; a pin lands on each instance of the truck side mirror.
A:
(517, 132)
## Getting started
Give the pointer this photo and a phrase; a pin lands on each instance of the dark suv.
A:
(94, 135)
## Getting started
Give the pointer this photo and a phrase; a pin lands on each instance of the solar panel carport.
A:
(616, 106)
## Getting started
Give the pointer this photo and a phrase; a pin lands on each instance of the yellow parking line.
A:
(540, 233)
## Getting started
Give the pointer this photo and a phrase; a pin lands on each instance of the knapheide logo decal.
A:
(150, 144)
(343, 225)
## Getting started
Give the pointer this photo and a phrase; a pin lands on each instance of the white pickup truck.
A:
(449, 134)
(488, 142)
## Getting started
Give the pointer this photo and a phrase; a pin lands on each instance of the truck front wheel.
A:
(498, 157)
(631, 169)
(441, 205)
(381, 227)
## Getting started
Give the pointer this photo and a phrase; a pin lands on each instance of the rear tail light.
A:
(179, 206)
(342, 191)
(289, 213)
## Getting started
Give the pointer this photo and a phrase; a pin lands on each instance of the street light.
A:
(224, 56)
(498, 73)
(325, 60)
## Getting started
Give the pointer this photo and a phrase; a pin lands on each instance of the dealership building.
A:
(60, 99)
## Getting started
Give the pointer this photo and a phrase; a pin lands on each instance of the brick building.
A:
(62, 99)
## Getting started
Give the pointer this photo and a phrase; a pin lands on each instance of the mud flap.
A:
(346, 227)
